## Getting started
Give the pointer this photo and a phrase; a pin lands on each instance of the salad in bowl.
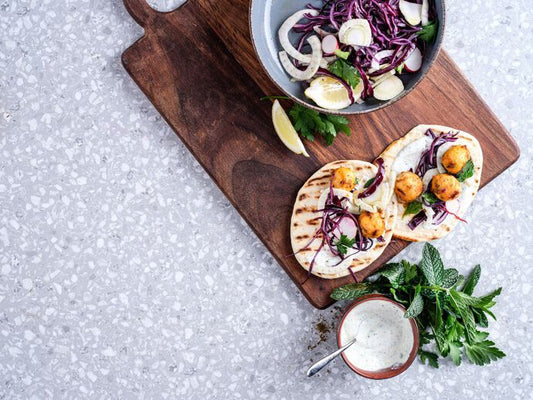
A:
(350, 56)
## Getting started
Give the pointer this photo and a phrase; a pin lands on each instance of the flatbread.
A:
(469, 187)
(306, 220)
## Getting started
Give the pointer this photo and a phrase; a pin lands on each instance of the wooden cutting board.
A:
(197, 66)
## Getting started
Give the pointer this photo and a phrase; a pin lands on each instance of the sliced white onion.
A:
(321, 31)
(380, 78)
(413, 62)
(428, 176)
(283, 35)
(388, 88)
(380, 55)
(329, 44)
(356, 32)
(424, 14)
(412, 12)
(313, 66)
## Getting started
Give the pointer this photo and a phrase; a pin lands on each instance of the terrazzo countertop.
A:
(113, 284)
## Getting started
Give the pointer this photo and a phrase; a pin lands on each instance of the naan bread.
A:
(306, 220)
(393, 154)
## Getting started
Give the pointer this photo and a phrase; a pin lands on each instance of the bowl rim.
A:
(431, 61)
(387, 373)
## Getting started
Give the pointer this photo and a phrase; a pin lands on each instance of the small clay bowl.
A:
(388, 372)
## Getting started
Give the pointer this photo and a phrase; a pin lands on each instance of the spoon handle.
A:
(326, 360)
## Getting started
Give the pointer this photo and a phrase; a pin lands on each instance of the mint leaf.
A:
(352, 291)
(345, 71)
(395, 273)
(450, 278)
(472, 280)
(466, 172)
(431, 265)
(413, 207)
(417, 305)
(429, 197)
(428, 32)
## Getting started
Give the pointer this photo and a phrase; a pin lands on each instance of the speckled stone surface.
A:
(125, 273)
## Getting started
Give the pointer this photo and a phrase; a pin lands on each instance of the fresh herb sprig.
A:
(442, 302)
(345, 71)
(344, 243)
(309, 122)
(428, 32)
(466, 172)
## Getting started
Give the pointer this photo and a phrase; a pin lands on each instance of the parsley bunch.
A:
(442, 302)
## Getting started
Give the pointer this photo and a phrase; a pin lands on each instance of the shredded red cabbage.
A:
(390, 31)
(428, 160)
(417, 220)
(333, 213)
(377, 180)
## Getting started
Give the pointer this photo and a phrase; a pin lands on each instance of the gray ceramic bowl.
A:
(266, 16)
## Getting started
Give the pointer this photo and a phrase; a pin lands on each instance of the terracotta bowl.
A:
(384, 373)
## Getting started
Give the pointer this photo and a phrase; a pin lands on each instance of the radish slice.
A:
(283, 35)
(380, 55)
(329, 44)
(413, 62)
(412, 12)
(424, 15)
(356, 32)
(388, 88)
(314, 64)
(346, 227)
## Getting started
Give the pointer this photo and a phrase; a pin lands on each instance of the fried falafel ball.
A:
(343, 178)
(446, 187)
(455, 158)
(372, 225)
(408, 187)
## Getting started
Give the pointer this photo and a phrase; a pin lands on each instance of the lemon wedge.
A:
(328, 93)
(285, 130)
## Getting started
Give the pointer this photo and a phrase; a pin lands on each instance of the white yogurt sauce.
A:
(384, 337)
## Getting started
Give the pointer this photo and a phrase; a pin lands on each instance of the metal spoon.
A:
(326, 360)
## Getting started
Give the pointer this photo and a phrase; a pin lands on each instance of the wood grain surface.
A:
(197, 66)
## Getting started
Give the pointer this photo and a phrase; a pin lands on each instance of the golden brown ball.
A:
(408, 187)
(372, 225)
(455, 158)
(343, 178)
(445, 187)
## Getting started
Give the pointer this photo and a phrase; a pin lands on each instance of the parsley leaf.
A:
(428, 32)
(466, 172)
(431, 358)
(310, 122)
(483, 352)
(429, 197)
(413, 207)
(345, 71)
(344, 243)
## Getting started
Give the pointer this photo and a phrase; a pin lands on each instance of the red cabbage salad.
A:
(355, 50)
